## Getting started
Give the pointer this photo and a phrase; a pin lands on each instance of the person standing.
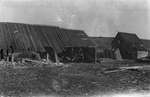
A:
(11, 49)
(9, 53)
(2, 54)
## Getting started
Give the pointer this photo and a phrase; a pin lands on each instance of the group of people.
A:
(5, 54)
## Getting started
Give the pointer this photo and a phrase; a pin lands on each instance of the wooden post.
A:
(56, 58)
(95, 56)
(7, 58)
(47, 57)
(72, 56)
(12, 59)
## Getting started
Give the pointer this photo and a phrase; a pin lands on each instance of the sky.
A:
(95, 17)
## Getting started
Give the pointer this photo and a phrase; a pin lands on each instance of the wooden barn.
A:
(129, 46)
(23, 37)
(78, 46)
(47, 39)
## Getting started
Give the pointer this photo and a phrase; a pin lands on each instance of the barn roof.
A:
(49, 37)
(36, 37)
(75, 38)
(130, 37)
(130, 40)
(20, 36)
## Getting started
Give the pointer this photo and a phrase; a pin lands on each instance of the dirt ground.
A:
(37, 81)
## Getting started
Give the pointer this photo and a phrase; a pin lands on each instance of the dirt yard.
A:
(38, 80)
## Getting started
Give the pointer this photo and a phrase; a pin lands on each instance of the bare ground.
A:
(37, 80)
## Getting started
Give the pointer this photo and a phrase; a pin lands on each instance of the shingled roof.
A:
(129, 40)
(20, 36)
(36, 37)
(75, 38)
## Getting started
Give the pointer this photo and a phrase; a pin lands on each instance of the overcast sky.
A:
(95, 17)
